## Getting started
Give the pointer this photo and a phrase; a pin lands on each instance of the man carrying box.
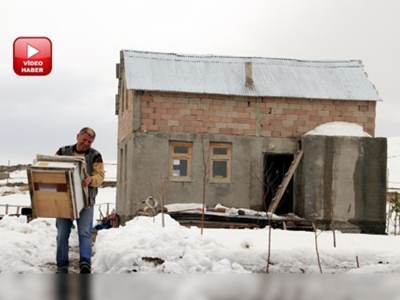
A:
(93, 179)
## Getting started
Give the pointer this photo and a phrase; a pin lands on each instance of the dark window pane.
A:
(220, 151)
(181, 149)
(179, 168)
(220, 169)
(50, 187)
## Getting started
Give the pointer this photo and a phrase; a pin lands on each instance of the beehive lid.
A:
(56, 161)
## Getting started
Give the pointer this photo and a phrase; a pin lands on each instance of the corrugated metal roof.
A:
(225, 75)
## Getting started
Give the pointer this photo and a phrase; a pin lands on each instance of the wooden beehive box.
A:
(55, 185)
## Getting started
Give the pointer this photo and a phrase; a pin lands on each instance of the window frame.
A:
(123, 97)
(219, 157)
(180, 156)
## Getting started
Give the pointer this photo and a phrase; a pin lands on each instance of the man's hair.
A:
(88, 131)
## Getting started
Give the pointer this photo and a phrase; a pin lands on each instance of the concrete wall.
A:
(345, 178)
(144, 170)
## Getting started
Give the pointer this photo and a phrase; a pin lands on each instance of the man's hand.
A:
(88, 180)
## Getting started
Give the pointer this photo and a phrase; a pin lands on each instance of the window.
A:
(121, 165)
(124, 170)
(180, 161)
(220, 155)
(126, 99)
(123, 98)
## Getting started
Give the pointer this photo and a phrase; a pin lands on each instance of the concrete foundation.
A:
(339, 178)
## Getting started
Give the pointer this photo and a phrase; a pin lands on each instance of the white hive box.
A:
(55, 184)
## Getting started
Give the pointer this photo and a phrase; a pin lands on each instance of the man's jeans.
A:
(85, 225)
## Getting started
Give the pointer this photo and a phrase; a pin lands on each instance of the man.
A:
(93, 179)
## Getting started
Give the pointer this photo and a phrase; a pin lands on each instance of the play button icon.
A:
(32, 56)
(31, 51)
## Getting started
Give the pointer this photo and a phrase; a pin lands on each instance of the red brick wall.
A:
(125, 114)
(251, 116)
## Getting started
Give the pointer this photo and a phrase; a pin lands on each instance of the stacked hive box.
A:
(55, 184)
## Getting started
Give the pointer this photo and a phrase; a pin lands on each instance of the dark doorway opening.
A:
(275, 168)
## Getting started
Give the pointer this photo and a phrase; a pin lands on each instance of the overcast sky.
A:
(40, 114)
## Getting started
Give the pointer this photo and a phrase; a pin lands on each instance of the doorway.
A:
(275, 168)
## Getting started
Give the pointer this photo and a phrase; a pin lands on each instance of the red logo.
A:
(32, 56)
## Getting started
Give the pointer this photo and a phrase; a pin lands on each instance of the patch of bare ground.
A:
(73, 262)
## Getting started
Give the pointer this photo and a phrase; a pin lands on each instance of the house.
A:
(228, 129)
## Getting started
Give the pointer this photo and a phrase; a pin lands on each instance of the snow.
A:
(30, 248)
(339, 129)
(144, 246)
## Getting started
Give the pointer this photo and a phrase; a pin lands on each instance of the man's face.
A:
(84, 142)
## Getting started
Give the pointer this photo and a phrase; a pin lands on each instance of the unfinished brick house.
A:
(229, 128)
